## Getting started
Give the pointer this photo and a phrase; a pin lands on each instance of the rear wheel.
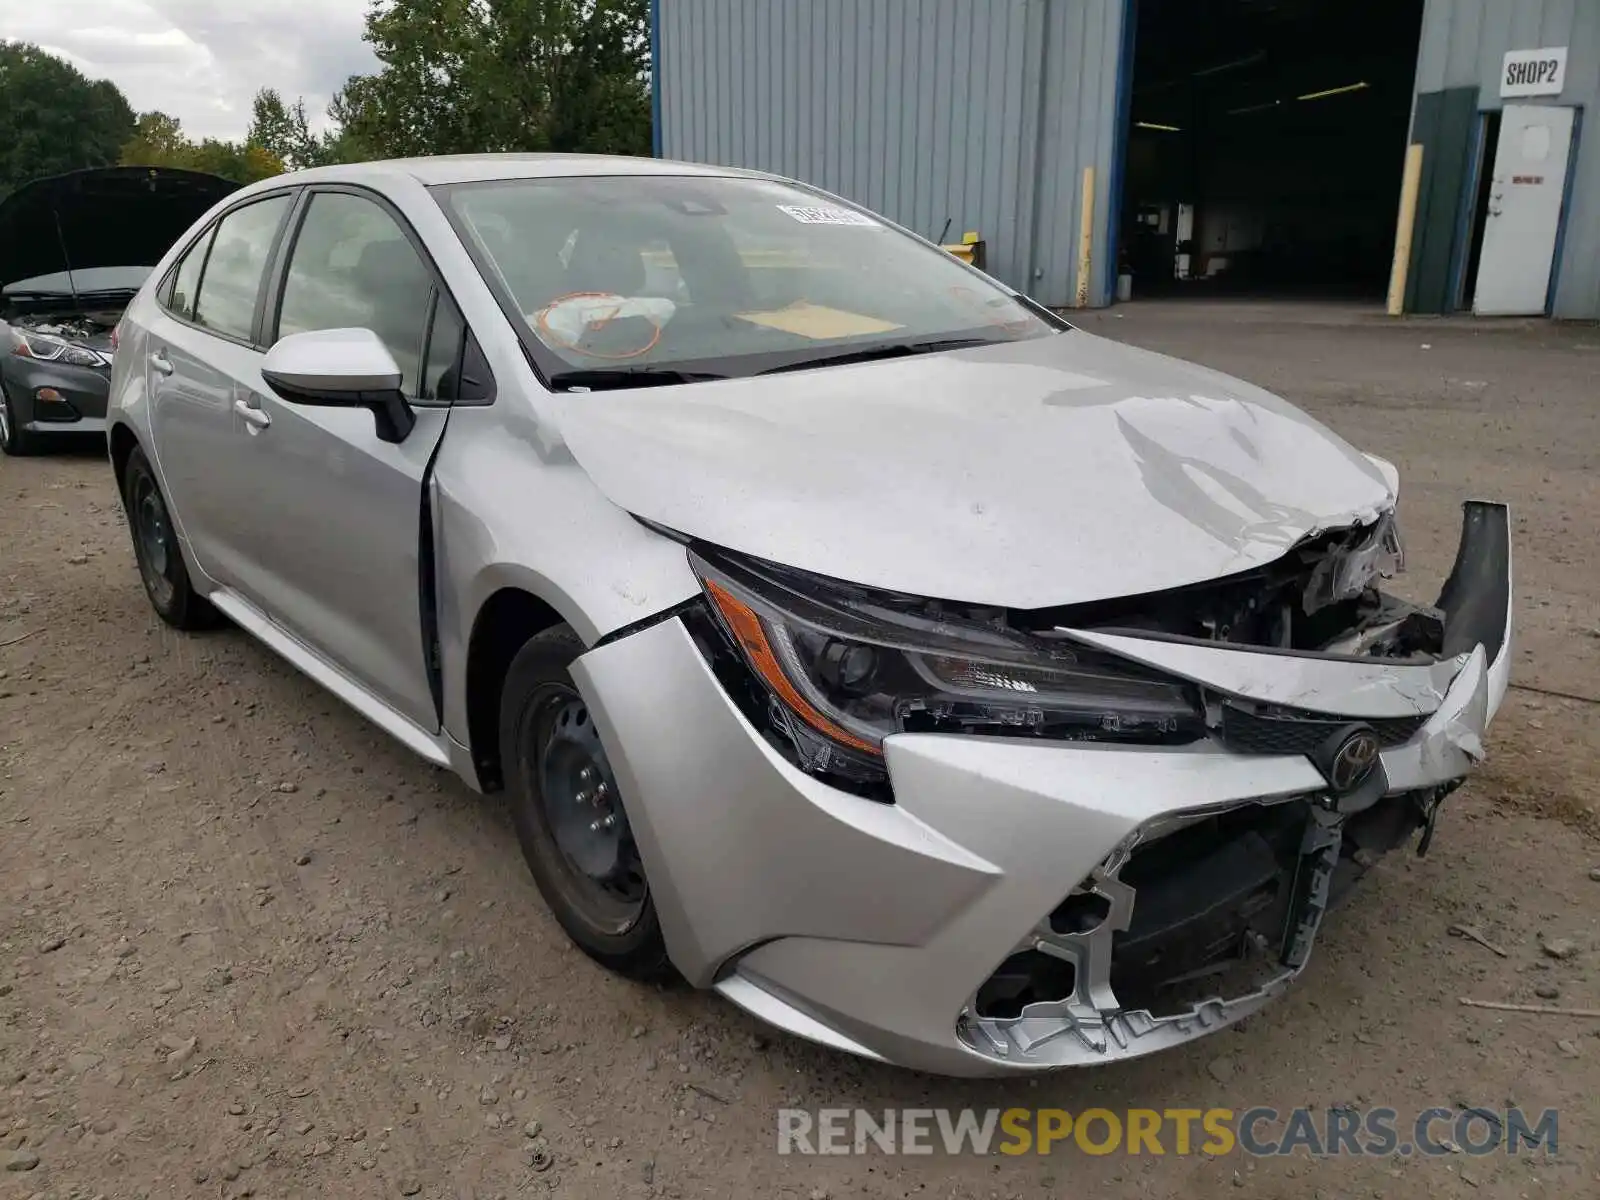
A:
(155, 546)
(14, 439)
(568, 813)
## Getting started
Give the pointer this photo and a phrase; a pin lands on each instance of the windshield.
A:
(628, 280)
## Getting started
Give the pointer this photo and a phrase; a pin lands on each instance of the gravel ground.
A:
(248, 946)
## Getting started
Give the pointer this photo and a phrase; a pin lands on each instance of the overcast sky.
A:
(202, 60)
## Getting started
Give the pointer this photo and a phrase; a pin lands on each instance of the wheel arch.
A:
(122, 441)
(504, 623)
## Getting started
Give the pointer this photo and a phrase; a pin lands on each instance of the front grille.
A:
(1253, 733)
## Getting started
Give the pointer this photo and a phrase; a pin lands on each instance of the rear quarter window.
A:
(179, 292)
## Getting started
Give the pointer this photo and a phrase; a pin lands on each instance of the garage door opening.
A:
(1266, 145)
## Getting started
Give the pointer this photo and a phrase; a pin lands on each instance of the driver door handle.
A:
(251, 415)
(161, 363)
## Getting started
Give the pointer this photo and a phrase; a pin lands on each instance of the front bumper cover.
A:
(871, 927)
(83, 392)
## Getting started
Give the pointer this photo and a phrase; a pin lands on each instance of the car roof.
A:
(476, 168)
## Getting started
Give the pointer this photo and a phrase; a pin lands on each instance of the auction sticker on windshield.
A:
(826, 214)
(819, 322)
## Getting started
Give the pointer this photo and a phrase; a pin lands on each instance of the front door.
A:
(1524, 217)
(329, 515)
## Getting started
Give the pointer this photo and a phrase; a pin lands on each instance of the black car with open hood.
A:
(101, 217)
(74, 249)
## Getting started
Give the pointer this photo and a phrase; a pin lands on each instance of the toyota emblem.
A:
(1353, 761)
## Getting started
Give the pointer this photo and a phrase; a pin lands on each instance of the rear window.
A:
(725, 276)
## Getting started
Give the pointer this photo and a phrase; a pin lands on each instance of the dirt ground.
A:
(250, 946)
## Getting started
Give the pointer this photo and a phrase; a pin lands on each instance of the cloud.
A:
(200, 60)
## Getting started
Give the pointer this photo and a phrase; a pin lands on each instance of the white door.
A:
(1519, 235)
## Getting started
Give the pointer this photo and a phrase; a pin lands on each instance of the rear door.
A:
(330, 517)
(199, 343)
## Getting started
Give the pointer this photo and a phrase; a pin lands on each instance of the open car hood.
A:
(102, 217)
(1055, 471)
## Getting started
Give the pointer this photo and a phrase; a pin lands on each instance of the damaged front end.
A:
(1320, 597)
(1201, 914)
(1200, 918)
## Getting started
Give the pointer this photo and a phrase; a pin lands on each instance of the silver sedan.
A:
(851, 635)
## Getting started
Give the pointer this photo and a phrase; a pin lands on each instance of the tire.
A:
(14, 440)
(155, 546)
(545, 734)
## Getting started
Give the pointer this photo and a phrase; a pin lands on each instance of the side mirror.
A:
(341, 368)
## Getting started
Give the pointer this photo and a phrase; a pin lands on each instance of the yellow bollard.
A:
(1410, 185)
(1086, 238)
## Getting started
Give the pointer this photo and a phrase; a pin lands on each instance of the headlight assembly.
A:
(53, 349)
(841, 672)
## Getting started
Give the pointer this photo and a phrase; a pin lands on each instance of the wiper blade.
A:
(603, 378)
(98, 294)
(889, 350)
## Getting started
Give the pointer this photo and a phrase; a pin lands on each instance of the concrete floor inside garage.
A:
(249, 946)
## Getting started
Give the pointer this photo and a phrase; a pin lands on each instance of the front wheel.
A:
(568, 813)
(155, 546)
(14, 440)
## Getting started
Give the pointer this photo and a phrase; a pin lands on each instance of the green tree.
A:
(341, 143)
(53, 119)
(159, 141)
(487, 75)
(233, 160)
(283, 131)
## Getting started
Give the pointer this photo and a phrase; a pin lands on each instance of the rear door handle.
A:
(161, 363)
(251, 415)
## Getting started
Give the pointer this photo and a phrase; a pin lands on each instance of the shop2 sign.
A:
(1534, 72)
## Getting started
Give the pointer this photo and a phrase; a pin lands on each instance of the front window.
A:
(626, 280)
(352, 266)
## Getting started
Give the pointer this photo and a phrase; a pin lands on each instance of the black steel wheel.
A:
(569, 812)
(155, 547)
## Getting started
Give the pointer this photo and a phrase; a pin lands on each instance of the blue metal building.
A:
(961, 114)
(986, 115)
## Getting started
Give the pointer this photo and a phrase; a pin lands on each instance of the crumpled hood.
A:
(101, 217)
(1054, 471)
